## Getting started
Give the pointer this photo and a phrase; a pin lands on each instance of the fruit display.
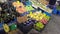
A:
(21, 15)
(41, 6)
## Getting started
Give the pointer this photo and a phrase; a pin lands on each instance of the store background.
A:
(53, 27)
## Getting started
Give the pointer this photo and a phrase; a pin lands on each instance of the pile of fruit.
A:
(23, 16)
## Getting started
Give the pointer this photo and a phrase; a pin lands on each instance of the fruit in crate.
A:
(20, 8)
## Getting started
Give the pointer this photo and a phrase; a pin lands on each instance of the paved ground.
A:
(53, 27)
